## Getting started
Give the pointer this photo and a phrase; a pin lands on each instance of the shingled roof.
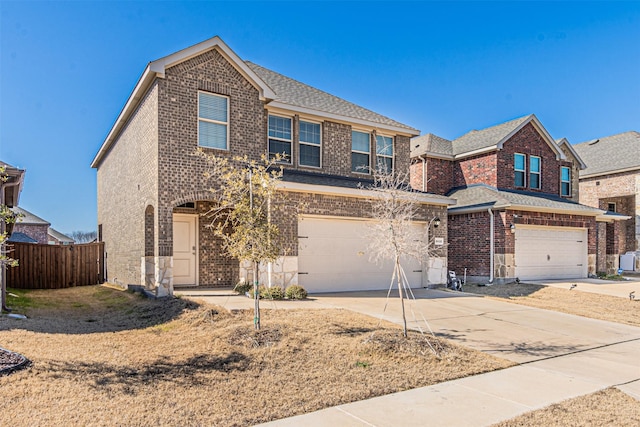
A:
(274, 89)
(610, 154)
(481, 196)
(478, 141)
(296, 94)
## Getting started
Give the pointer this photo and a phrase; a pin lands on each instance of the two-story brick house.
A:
(611, 182)
(516, 211)
(152, 191)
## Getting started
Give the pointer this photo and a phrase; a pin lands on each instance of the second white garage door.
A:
(550, 253)
(333, 256)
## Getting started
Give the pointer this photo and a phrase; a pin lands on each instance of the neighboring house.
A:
(517, 214)
(31, 225)
(37, 229)
(611, 182)
(152, 191)
(57, 238)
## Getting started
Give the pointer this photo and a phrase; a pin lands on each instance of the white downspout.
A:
(491, 246)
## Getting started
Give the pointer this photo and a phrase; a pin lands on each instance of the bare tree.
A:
(83, 236)
(394, 235)
(244, 192)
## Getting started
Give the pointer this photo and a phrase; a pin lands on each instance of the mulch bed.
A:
(10, 361)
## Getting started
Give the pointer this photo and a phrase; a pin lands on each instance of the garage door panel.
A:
(550, 253)
(333, 255)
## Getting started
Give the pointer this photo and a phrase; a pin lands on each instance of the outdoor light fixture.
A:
(513, 228)
(436, 222)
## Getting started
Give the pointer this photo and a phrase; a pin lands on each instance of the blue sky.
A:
(67, 68)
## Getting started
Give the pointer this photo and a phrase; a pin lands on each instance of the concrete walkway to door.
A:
(561, 356)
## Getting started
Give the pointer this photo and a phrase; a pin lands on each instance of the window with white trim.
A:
(310, 144)
(384, 153)
(360, 152)
(519, 162)
(565, 181)
(280, 137)
(213, 121)
(534, 172)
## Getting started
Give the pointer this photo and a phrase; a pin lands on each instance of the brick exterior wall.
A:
(497, 168)
(624, 190)
(575, 173)
(469, 240)
(152, 169)
(439, 175)
(481, 169)
(37, 232)
(127, 185)
(528, 141)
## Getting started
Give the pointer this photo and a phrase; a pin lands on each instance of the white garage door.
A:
(333, 256)
(550, 253)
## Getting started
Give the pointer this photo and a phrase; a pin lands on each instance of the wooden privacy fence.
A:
(56, 266)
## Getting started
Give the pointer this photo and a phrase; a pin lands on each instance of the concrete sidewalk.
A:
(597, 286)
(560, 355)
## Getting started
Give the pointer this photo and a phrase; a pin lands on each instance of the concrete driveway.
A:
(560, 356)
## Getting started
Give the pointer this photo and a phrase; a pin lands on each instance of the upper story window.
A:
(280, 137)
(310, 145)
(611, 207)
(519, 169)
(565, 181)
(534, 172)
(213, 121)
(360, 152)
(384, 153)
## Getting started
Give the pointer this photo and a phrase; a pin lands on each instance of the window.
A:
(310, 144)
(360, 152)
(280, 137)
(384, 153)
(565, 181)
(534, 172)
(611, 207)
(519, 169)
(213, 118)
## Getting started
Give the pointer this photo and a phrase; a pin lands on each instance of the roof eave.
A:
(564, 141)
(144, 83)
(405, 131)
(534, 120)
(297, 187)
(610, 172)
(433, 155)
(157, 68)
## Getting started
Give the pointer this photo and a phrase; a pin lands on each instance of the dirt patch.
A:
(153, 362)
(596, 306)
(609, 407)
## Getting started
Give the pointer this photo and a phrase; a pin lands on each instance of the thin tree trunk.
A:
(256, 297)
(399, 279)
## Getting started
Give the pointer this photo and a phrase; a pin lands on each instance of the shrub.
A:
(243, 287)
(274, 292)
(295, 292)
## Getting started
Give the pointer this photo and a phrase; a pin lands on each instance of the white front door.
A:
(550, 252)
(185, 248)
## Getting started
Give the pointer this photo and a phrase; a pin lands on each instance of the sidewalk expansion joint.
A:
(354, 417)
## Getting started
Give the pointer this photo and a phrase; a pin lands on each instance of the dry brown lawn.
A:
(609, 407)
(106, 357)
(603, 307)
